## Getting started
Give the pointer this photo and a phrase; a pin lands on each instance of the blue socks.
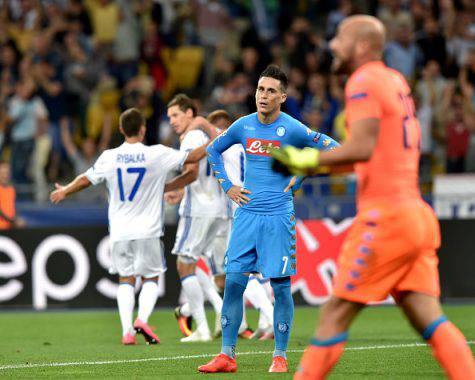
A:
(283, 314)
(430, 330)
(231, 314)
(339, 338)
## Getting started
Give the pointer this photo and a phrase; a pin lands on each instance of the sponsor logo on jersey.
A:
(280, 131)
(309, 131)
(326, 142)
(260, 147)
(317, 137)
(249, 128)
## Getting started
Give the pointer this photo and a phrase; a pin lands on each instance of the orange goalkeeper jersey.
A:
(376, 91)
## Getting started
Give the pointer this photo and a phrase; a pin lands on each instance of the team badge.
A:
(280, 131)
(326, 142)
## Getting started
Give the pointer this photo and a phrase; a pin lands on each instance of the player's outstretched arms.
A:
(188, 175)
(61, 192)
(196, 154)
(358, 148)
(237, 195)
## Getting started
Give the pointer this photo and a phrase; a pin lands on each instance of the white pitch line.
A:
(106, 362)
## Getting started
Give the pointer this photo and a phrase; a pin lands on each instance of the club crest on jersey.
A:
(280, 131)
(260, 147)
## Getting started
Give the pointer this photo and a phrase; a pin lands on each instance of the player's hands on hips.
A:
(291, 183)
(237, 194)
(291, 160)
(174, 197)
(58, 195)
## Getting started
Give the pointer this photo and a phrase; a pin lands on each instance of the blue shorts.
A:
(262, 243)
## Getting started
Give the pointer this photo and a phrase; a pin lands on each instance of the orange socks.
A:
(320, 357)
(450, 349)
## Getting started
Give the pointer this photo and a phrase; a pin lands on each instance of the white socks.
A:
(126, 304)
(147, 299)
(243, 327)
(194, 295)
(185, 310)
(257, 296)
(209, 290)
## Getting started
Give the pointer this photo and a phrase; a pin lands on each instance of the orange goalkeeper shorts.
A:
(391, 248)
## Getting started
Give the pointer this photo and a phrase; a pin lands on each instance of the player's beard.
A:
(341, 65)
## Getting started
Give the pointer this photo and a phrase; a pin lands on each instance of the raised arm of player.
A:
(215, 159)
(61, 192)
(363, 112)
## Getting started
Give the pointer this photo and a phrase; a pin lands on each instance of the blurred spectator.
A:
(458, 134)
(8, 216)
(78, 17)
(105, 17)
(393, 15)
(139, 93)
(151, 53)
(103, 109)
(318, 99)
(432, 43)
(403, 54)
(28, 117)
(345, 9)
(127, 41)
(84, 158)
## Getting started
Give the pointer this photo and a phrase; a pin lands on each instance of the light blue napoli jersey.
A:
(266, 186)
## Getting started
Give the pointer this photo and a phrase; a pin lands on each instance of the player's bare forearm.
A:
(196, 154)
(189, 175)
(79, 183)
(358, 148)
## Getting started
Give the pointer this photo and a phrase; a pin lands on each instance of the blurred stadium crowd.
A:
(68, 68)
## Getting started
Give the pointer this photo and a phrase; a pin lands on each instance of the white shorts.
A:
(216, 253)
(201, 236)
(141, 257)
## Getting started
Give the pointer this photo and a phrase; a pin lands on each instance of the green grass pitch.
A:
(381, 346)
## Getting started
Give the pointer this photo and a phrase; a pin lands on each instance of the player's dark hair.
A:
(219, 114)
(184, 103)
(130, 121)
(274, 71)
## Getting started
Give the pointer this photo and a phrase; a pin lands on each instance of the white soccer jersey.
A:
(135, 176)
(234, 162)
(204, 196)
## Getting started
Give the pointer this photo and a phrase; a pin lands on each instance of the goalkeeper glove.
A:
(290, 160)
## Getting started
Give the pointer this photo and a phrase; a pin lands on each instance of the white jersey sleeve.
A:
(203, 197)
(98, 172)
(235, 163)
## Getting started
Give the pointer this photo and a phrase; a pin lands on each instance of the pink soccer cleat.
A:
(146, 331)
(221, 363)
(279, 364)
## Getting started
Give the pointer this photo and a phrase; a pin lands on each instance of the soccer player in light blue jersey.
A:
(263, 238)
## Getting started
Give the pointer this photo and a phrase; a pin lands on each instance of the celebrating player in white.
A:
(135, 175)
(202, 218)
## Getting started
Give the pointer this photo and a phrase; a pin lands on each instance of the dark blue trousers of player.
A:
(264, 244)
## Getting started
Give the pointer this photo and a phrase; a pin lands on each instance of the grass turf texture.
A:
(46, 337)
